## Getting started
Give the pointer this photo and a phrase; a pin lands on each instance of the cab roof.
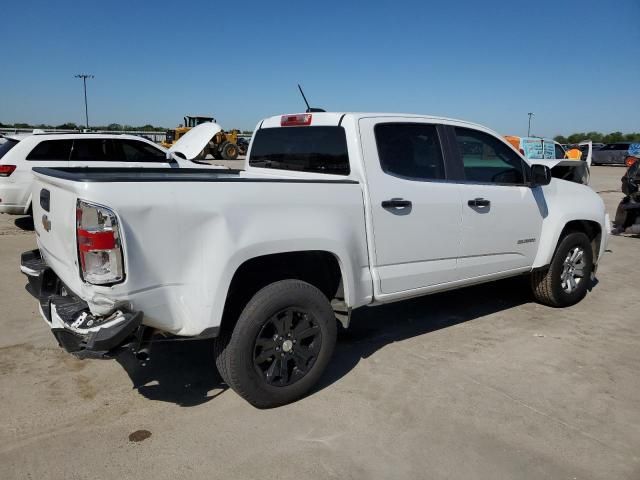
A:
(336, 118)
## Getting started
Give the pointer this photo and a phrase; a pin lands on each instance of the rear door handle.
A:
(479, 202)
(396, 203)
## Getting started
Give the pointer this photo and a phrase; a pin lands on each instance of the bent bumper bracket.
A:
(76, 329)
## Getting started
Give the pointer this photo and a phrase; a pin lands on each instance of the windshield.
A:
(6, 146)
(305, 149)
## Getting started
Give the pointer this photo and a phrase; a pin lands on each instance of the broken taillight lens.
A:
(99, 245)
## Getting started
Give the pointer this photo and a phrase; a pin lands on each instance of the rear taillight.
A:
(6, 170)
(630, 161)
(298, 120)
(99, 245)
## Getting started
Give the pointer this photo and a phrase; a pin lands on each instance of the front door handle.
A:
(479, 202)
(396, 203)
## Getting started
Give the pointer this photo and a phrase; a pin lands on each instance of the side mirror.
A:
(540, 175)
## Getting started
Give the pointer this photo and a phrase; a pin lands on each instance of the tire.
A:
(229, 151)
(553, 286)
(280, 346)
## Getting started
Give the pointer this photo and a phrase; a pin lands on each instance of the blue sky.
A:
(576, 64)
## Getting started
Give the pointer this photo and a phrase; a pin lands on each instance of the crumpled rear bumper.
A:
(76, 329)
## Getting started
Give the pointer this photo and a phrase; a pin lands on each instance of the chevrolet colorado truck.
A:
(334, 211)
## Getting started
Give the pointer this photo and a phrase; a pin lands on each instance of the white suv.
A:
(21, 152)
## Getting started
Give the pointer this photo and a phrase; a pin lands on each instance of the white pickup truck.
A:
(334, 211)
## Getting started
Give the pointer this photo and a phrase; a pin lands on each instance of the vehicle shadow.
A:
(184, 372)
(374, 328)
(180, 372)
(24, 223)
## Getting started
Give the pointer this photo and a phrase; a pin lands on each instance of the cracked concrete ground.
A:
(477, 383)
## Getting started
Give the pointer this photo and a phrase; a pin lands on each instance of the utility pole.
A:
(84, 77)
(529, 130)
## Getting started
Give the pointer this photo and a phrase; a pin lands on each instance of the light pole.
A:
(529, 130)
(84, 77)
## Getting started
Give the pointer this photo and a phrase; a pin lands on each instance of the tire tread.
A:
(229, 355)
(543, 282)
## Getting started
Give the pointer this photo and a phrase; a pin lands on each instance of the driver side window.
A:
(488, 160)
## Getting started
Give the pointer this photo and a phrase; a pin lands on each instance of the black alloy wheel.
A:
(287, 346)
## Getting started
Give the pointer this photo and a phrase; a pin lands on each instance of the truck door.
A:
(501, 215)
(414, 212)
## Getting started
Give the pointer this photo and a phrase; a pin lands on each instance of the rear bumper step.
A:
(76, 329)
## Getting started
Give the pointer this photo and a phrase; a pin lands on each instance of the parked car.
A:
(537, 147)
(611, 154)
(334, 212)
(552, 154)
(20, 153)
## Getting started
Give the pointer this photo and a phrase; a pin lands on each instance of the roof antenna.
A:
(309, 109)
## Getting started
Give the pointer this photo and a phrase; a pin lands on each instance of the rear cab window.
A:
(314, 149)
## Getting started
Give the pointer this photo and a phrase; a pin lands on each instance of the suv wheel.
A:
(280, 345)
(567, 279)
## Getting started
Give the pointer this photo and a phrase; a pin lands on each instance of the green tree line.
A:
(598, 137)
(73, 126)
(112, 127)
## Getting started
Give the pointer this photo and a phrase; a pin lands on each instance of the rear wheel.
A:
(280, 345)
(567, 279)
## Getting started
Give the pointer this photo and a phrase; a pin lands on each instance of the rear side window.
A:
(94, 150)
(616, 146)
(7, 145)
(304, 149)
(410, 150)
(559, 151)
(51, 150)
(134, 151)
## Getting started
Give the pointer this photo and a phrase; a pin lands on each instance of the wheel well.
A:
(588, 227)
(319, 268)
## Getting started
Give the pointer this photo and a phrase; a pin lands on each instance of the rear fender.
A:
(356, 284)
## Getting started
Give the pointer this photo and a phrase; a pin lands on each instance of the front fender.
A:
(567, 202)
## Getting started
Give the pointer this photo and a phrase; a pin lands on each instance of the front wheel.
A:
(280, 345)
(567, 279)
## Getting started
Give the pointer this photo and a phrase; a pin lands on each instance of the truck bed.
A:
(186, 231)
